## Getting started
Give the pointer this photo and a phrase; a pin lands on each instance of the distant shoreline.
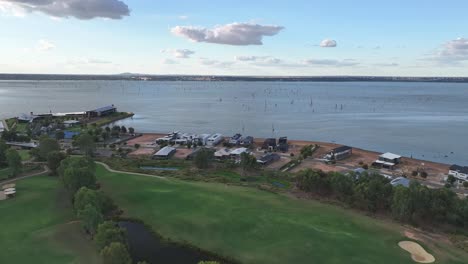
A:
(149, 77)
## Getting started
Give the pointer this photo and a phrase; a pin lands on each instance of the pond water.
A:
(158, 168)
(145, 246)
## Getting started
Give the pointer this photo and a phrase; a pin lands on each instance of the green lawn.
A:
(258, 227)
(37, 226)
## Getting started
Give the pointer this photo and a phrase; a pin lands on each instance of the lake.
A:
(425, 120)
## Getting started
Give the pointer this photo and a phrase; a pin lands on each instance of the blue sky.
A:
(361, 37)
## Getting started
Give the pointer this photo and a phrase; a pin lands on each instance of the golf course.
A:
(255, 226)
(37, 226)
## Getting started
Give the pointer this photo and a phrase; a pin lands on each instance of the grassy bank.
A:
(37, 226)
(258, 227)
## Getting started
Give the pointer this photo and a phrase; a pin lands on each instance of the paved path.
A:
(45, 170)
(131, 173)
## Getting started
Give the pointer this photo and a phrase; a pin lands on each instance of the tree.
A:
(59, 135)
(107, 233)
(137, 146)
(86, 144)
(105, 135)
(248, 162)
(451, 179)
(77, 172)
(53, 160)
(108, 129)
(116, 253)
(85, 196)
(90, 218)
(3, 149)
(131, 130)
(46, 145)
(203, 158)
(342, 186)
(123, 130)
(465, 184)
(14, 162)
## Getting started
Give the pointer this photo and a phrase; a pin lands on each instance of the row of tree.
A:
(94, 209)
(416, 204)
(10, 158)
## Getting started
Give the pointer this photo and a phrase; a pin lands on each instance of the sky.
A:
(294, 37)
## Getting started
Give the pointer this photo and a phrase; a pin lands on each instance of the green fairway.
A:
(255, 226)
(37, 226)
(4, 173)
(25, 156)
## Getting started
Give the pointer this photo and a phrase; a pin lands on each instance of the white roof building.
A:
(238, 151)
(390, 156)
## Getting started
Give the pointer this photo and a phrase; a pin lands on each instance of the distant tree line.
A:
(416, 204)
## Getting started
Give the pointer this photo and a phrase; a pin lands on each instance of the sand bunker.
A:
(418, 253)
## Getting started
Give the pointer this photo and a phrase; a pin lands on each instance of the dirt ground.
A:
(143, 152)
(146, 140)
(182, 153)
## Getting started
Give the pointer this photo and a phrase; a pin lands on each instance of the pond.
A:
(158, 168)
(146, 246)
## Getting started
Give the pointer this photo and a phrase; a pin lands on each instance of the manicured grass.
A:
(254, 226)
(37, 226)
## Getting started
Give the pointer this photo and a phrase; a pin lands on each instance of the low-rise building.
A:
(222, 154)
(247, 141)
(400, 181)
(459, 172)
(339, 153)
(203, 139)
(102, 111)
(214, 140)
(387, 160)
(235, 140)
(268, 158)
(269, 144)
(164, 153)
(236, 153)
(71, 123)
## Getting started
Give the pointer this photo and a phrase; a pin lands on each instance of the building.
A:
(235, 140)
(222, 154)
(269, 144)
(214, 140)
(203, 139)
(164, 153)
(387, 160)
(25, 118)
(283, 144)
(268, 158)
(102, 111)
(247, 141)
(400, 181)
(339, 153)
(23, 145)
(238, 152)
(459, 172)
(69, 135)
(71, 123)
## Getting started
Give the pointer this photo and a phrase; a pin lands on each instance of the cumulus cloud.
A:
(335, 63)
(454, 51)
(215, 63)
(328, 43)
(179, 53)
(239, 34)
(45, 45)
(80, 9)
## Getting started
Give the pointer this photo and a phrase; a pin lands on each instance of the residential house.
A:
(283, 144)
(70, 123)
(269, 144)
(215, 139)
(400, 181)
(235, 140)
(387, 160)
(339, 153)
(203, 139)
(268, 158)
(247, 141)
(236, 153)
(222, 154)
(459, 172)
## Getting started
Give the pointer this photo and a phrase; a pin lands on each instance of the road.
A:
(131, 173)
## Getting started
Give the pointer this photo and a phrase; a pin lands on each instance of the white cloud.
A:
(328, 43)
(454, 51)
(179, 53)
(335, 63)
(45, 45)
(81, 9)
(88, 61)
(391, 64)
(183, 17)
(260, 60)
(239, 34)
(215, 63)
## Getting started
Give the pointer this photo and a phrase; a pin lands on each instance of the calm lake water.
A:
(425, 120)
(145, 246)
